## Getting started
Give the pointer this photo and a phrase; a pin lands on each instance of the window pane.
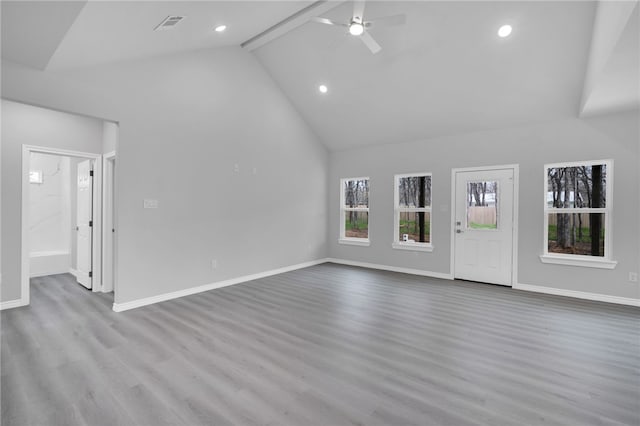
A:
(482, 205)
(356, 224)
(414, 191)
(415, 227)
(577, 187)
(576, 233)
(356, 193)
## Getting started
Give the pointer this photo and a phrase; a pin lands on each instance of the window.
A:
(577, 210)
(354, 211)
(412, 228)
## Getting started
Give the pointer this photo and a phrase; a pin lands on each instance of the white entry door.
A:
(484, 209)
(84, 221)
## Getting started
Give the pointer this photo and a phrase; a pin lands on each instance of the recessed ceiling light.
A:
(504, 30)
(323, 89)
(220, 28)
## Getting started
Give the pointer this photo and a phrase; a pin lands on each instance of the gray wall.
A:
(24, 124)
(531, 147)
(184, 121)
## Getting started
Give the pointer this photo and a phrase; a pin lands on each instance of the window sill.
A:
(583, 261)
(413, 247)
(354, 242)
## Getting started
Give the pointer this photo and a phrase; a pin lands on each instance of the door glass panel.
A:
(482, 205)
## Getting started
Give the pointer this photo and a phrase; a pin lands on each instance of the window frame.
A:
(604, 261)
(343, 239)
(415, 246)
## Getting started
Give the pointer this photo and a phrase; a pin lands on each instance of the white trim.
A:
(342, 239)
(108, 239)
(119, 307)
(73, 272)
(397, 210)
(578, 294)
(355, 242)
(578, 260)
(10, 304)
(97, 216)
(413, 246)
(515, 225)
(410, 271)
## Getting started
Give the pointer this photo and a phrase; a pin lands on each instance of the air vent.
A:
(169, 22)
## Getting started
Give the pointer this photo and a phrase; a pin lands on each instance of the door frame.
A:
(514, 242)
(109, 265)
(96, 256)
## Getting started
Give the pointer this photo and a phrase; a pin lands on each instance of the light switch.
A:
(150, 204)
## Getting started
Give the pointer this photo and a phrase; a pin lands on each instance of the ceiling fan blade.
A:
(327, 21)
(370, 42)
(388, 21)
(358, 9)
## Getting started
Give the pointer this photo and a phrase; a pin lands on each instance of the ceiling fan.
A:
(358, 27)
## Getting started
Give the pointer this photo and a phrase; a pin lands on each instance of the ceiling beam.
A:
(609, 23)
(294, 21)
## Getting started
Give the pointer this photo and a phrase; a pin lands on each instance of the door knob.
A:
(459, 231)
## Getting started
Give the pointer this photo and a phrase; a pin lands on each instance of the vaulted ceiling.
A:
(444, 71)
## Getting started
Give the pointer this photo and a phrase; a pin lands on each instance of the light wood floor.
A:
(327, 345)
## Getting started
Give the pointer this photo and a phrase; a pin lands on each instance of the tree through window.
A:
(354, 211)
(577, 209)
(412, 210)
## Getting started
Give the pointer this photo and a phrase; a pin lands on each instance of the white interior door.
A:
(84, 226)
(483, 243)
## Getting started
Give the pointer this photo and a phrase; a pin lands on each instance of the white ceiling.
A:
(111, 31)
(445, 71)
(32, 31)
(618, 84)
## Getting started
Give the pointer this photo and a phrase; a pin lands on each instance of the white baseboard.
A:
(119, 307)
(73, 272)
(578, 294)
(12, 304)
(392, 268)
(45, 263)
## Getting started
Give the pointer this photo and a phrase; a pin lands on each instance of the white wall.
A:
(184, 121)
(24, 124)
(612, 136)
(50, 204)
(109, 137)
(50, 216)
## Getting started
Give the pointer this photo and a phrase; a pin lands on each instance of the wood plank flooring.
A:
(326, 345)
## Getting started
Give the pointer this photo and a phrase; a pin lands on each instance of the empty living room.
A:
(327, 213)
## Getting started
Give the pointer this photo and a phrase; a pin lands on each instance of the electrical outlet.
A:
(214, 264)
(236, 168)
(633, 277)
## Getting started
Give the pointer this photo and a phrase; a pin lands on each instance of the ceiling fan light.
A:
(356, 28)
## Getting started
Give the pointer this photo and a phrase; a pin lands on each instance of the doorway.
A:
(484, 240)
(84, 243)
